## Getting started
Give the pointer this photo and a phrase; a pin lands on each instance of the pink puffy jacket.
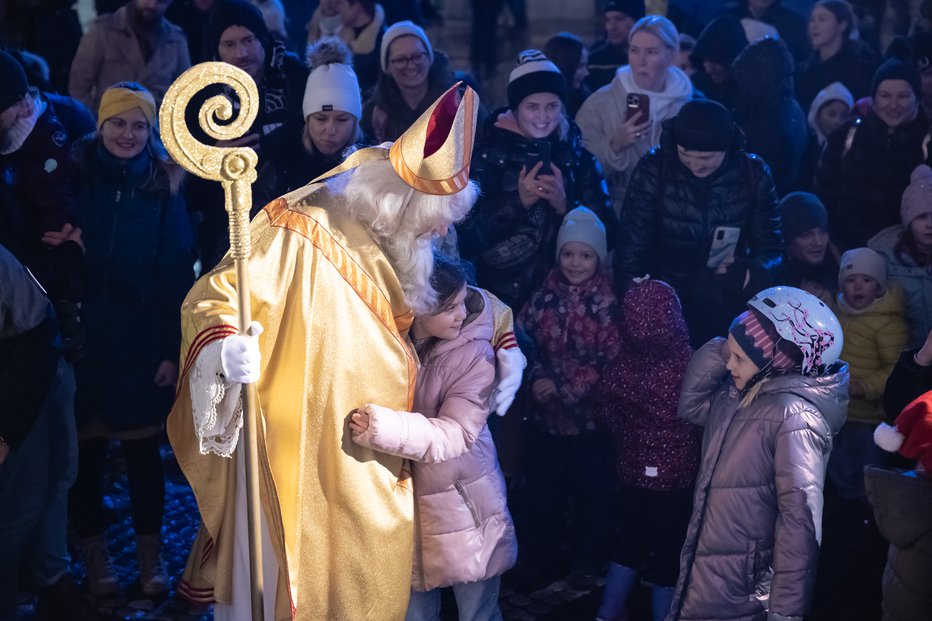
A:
(464, 532)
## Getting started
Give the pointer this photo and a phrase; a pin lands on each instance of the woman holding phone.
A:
(701, 214)
(621, 121)
(533, 169)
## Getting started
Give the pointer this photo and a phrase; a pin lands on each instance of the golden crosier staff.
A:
(235, 169)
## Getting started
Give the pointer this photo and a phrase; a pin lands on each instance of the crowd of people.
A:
(701, 245)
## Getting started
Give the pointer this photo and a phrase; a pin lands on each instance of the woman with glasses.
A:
(139, 253)
(413, 76)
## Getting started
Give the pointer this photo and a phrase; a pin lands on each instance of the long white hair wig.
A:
(402, 221)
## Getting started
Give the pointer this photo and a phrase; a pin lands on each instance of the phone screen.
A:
(539, 151)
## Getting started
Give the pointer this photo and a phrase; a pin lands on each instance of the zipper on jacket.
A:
(461, 490)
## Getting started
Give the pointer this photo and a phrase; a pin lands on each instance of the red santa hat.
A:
(911, 435)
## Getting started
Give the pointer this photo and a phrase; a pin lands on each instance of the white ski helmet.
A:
(805, 321)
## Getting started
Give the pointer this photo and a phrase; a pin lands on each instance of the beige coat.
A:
(109, 53)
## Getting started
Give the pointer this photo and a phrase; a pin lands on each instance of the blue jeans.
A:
(475, 601)
(34, 483)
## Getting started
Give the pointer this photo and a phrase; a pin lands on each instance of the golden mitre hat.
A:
(433, 155)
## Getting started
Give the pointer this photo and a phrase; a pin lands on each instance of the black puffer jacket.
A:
(668, 220)
(512, 247)
(903, 508)
(862, 174)
(767, 111)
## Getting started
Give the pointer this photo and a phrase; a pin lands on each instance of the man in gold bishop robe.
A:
(338, 268)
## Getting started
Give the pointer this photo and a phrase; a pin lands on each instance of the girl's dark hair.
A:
(907, 246)
(447, 278)
(565, 51)
(842, 12)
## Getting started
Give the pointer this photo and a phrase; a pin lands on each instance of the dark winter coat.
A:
(575, 333)
(511, 246)
(791, 26)
(30, 349)
(288, 165)
(853, 66)
(668, 221)
(907, 382)
(862, 173)
(638, 393)
(767, 111)
(41, 177)
(903, 509)
(753, 540)
(139, 256)
(794, 272)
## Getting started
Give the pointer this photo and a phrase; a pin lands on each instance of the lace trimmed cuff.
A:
(216, 404)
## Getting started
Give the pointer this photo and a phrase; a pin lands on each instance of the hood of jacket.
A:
(832, 92)
(721, 41)
(902, 504)
(676, 88)
(477, 326)
(652, 320)
(828, 392)
(764, 71)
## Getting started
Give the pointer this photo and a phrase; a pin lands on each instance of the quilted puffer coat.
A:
(753, 540)
(668, 221)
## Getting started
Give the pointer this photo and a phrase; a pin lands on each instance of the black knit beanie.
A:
(236, 13)
(801, 212)
(704, 125)
(632, 8)
(13, 79)
(897, 69)
(534, 74)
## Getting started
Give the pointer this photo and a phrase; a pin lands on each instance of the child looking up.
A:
(464, 535)
(572, 320)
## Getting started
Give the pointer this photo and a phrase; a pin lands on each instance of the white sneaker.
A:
(101, 581)
(153, 577)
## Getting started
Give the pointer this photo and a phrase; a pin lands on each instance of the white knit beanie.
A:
(863, 261)
(332, 84)
(582, 225)
(401, 29)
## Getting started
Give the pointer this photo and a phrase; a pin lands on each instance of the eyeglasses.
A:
(118, 126)
(401, 62)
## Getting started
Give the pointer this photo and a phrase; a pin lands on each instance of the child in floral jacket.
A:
(572, 320)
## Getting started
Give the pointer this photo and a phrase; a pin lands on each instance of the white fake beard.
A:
(412, 257)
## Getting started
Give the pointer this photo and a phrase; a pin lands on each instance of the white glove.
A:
(509, 370)
(239, 356)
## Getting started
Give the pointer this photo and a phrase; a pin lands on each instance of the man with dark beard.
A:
(237, 35)
(134, 44)
(339, 268)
